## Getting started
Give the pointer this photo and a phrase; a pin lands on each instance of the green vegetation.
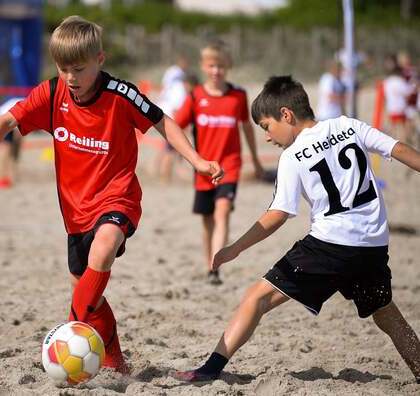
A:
(301, 14)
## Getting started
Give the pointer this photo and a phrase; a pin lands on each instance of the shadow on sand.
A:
(347, 374)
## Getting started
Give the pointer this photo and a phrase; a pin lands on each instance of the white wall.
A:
(230, 6)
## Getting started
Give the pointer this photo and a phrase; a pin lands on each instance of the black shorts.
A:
(204, 201)
(313, 270)
(79, 244)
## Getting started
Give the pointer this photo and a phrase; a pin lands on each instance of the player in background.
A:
(347, 247)
(217, 109)
(92, 118)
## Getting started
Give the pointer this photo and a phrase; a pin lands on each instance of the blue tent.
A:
(20, 42)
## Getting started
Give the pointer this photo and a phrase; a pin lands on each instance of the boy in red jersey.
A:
(92, 117)
(216, 109)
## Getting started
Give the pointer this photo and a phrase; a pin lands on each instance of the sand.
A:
(170, 318)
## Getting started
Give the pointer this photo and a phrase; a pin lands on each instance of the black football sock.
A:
(214, 365)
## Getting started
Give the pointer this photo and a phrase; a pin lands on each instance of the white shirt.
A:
(329, 165)
(327, 106)
(173, 93)
(396, 90)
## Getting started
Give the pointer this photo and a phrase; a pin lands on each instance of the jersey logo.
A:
(64, 107)
(129, 93)
(203, 102)
(211, 121)
(87, 144)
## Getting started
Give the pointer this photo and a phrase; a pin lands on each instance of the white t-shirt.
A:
(173, 93)
(397, 91)
(327, 106)
(329, 165)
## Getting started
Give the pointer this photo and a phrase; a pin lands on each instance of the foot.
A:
(193, 376)
(214, 278)
(116, 363)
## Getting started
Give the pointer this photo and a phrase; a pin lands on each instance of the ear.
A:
(101, 58)
(287, 114)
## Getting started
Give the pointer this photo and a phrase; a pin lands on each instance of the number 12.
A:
(328, 182)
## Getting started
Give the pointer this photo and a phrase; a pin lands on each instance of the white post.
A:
(350, 62)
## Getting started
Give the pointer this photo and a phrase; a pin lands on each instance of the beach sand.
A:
(170, 318)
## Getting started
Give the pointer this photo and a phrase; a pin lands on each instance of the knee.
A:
(254, 298)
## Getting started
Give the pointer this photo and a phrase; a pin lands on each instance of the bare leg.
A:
(258, 300)
(390, 320)
(223, 207)
(208, 224)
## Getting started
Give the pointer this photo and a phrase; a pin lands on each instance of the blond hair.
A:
(75, 40)
(217, 50)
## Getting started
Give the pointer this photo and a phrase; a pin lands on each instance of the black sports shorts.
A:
(313, 270)
(204, 201)
(78, 245)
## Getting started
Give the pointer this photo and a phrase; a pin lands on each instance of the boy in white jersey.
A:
(347, 247)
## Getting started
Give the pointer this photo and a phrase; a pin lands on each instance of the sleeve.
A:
(288, 187)
(144, 113)
(184, 116)
(375, 140)
(33, 113)
(243, 108)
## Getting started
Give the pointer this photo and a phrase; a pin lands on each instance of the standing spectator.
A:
(9, 150)
(172, 95)
(397, 91)
(331, 93)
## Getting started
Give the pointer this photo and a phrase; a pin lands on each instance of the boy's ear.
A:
(101, 58)
(287, 114)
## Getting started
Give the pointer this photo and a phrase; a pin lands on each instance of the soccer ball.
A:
(72, 352)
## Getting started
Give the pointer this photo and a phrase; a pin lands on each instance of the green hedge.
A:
(302, 14)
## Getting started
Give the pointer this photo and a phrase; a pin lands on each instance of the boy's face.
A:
(278, 132)
(215, 68)
(81, 77)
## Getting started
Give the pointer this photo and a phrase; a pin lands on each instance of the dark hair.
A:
(281, 91)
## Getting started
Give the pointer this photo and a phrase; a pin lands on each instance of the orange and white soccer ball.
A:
(72, 352)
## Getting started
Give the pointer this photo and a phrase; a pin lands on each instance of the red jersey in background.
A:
(216, 129)
(95, 147)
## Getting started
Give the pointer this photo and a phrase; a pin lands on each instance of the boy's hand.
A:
(224, 255)
(210, 168)
(259, 170)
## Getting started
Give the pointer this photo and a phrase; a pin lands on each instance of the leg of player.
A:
(390, 320)
(221, 215)
(208, 229)
(88, 303)
(258, 300)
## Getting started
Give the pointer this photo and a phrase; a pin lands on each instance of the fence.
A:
(279, 50)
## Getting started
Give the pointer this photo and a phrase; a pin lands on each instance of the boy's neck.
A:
(216, 89)
(303, 124)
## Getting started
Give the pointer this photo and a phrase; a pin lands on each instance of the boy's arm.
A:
(407, 155)
(7, 123)
(269, 222)
(177, 139)
(250, 139)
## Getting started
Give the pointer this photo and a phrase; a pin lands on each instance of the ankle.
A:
(214, 364)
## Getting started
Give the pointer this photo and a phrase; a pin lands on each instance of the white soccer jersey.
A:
(329, 165)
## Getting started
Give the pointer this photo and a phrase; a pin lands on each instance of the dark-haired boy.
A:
(347, 247)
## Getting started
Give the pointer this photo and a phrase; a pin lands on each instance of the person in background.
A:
(331, 93)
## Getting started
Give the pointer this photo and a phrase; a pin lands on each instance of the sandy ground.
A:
(170, 318)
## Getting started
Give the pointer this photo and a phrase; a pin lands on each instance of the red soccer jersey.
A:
(216, 132)
(95, 147)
